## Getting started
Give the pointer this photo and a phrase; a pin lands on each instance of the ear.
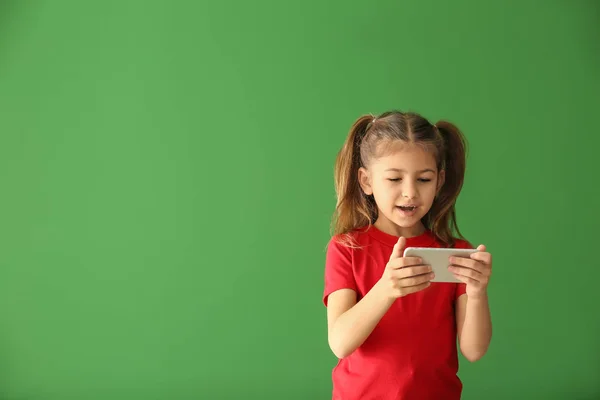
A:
(440, 181)
(365, 181)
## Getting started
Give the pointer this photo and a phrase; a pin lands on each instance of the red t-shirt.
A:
(412, 352)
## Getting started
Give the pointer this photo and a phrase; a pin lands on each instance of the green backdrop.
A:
(166, 175)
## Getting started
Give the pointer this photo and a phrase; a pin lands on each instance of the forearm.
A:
(354, 326)
(476, 332)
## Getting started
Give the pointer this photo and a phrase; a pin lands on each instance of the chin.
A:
(405, 222)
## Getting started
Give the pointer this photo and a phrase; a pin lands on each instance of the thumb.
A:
(398, 250)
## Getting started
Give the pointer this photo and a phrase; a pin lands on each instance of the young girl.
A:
(397, 179)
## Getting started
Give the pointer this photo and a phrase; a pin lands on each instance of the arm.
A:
(350, 323)
(474, 326)
(473, 320)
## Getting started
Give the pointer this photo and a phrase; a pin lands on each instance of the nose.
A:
(409, 190)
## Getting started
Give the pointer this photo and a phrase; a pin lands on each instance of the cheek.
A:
(388, 194)
(383, 191)
(429, 193)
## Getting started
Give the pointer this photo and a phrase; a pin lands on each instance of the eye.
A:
(425, 180)
(393, 179)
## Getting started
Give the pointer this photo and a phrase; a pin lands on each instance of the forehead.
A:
(399, 155)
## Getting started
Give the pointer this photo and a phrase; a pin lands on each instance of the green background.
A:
(166, 175)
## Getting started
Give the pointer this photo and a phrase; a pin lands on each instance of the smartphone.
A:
(438, 259)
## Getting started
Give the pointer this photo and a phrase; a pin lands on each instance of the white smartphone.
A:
(438, 259)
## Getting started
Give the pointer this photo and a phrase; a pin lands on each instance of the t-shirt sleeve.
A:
(461, 288)
(339, 273)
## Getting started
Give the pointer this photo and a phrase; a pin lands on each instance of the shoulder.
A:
(342, 244)
(341, 247)
(350, 241)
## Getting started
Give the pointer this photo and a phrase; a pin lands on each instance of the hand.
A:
(404, 275)
(475, 271)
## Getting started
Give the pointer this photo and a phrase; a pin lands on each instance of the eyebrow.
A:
(401, 170)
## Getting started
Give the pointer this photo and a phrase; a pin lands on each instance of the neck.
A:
(389, 227)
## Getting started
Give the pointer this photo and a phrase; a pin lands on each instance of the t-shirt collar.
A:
(425, 239)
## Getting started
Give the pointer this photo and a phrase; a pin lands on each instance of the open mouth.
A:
(407, 208)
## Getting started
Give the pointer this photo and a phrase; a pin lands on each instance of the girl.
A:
(397, 178)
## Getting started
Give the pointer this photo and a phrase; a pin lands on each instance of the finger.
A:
(466, 279)
(466, 262)
(467, 272)
(408, 272)
(481, 247)
(398, 249)
(416, 280)
(406, 262)
(485, 258)
(414, 289)
(479, 266)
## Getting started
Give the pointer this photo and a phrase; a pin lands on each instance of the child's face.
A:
(406, 176)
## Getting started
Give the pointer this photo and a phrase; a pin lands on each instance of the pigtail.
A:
(442, 216)
(353, 208)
